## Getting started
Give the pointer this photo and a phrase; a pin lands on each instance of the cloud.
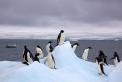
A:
(59, 12)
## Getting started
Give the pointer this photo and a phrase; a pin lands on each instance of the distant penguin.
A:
(50, 61)
(27, 56)
(115, 58)
(74, 46)
(61, 38)
(39, 53)
(49, 47)
(85, 53)
(100, 67)
(103, 57)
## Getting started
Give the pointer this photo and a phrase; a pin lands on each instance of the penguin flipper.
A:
(111, 58)
(53, 59)
(36, 59)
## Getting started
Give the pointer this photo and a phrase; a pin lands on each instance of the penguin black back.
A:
(51, 48)
(58, 38)
(116, 55)
(25, 57)
(103, 57)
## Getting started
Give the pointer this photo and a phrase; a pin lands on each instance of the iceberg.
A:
(69, 68)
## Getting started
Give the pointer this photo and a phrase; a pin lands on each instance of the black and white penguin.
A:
(49, 47)
(85, 53)
(50, 61)
(61, 38)
(103, 57)
(74, 46)
(27, 56)
(115, 58)
(39, 53)
(100, 67)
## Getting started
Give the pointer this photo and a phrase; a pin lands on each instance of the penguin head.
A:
(76, 44)
(62, 31)
(89, 47)
(38, 46)
(49, 42)
(115, 54)
(101, 52)
(25, 47)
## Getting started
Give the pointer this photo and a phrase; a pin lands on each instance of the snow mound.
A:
(116, 75)
(69, 69)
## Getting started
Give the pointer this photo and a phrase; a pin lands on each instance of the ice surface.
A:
(69, 69)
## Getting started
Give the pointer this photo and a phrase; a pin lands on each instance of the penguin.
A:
(50, 61)
(27, 56)
(39, 53)
(103, 57)
(61, 38)
(100, 67)
(49, 47)
(85, 53)
(74, 46)
(115, 58)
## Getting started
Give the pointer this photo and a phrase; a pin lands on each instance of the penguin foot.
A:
(105, 74)
(25, 63)
(102, 74)
(55, 68)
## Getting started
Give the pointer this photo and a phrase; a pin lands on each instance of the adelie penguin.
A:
(27, 56)
(103, 57)
(61, 38)
(74, 46)
(39, 53)
(85, 53)
(100, 67)
(49, 47)
(50, 61)
(115, 58)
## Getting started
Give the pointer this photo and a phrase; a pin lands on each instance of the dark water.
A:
(15, 54)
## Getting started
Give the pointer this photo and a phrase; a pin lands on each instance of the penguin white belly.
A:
(115, 61)
(50, 62)
(30, 61)
(99, 69)
(47, 48)
(62, 39)
(39, 51)
(74, 47)
(85, 54)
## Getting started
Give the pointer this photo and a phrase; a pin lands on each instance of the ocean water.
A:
(15, 54)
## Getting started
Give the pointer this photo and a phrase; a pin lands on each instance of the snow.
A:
(116, 75)
(70, 68)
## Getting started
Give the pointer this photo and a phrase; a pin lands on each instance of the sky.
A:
(72, 15)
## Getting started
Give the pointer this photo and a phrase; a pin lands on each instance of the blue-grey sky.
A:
(59, 12)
